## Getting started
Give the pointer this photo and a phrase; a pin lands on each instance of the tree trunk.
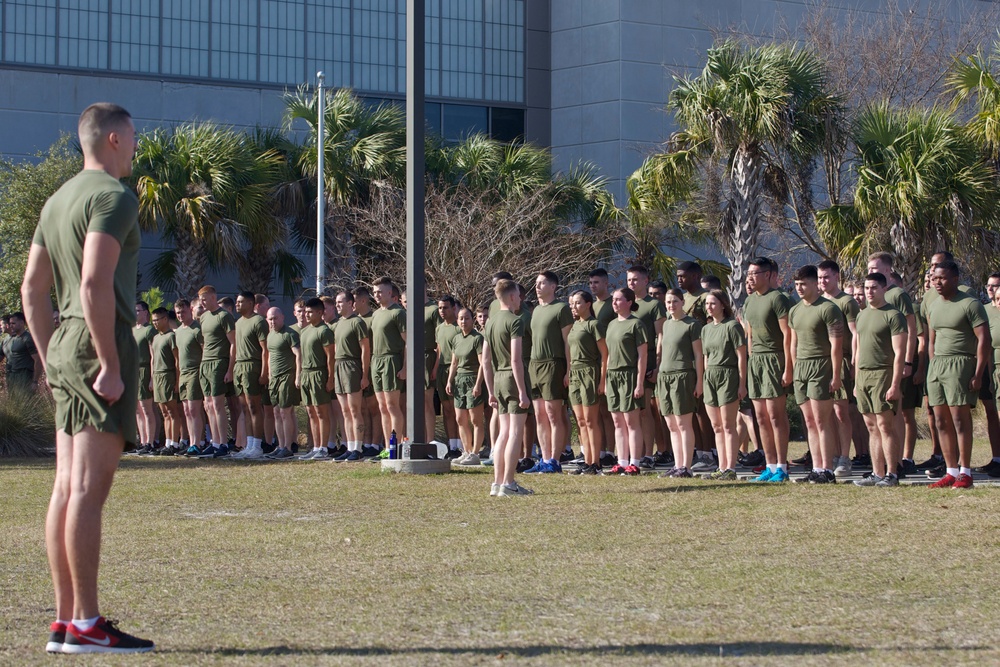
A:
(191, 265)
(258, 269)
(746, 198)
(907, 246)
(340, 264)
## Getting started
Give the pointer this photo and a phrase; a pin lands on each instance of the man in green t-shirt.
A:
(284, 370)
(189, 342)
(250, 372)
(652, 314)
(817, 364)
(145, 415)
(165, 381)
(444, 333)
(337, 423)
(503, 369)
(689, 275)
(218, 358)
(600, 288)
(844, 403)
(352, 343)
(316, 342)
(262, 304)
(959, 349)
(23, 364)
(431, 320)
(769, 372)
(388, 332)
(372, 415)
(879, 353)
(86, 246)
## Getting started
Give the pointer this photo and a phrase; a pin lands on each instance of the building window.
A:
(507, 125)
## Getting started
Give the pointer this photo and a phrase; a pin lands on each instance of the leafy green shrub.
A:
(27, 424)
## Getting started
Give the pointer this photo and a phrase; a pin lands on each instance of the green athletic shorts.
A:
(165, 387)
(812, 379)
(764, 372)
(441, 384)
(145, 381)
(870, 390)
(675, 392)
(846, 391)
(913, 394)
(547, 380)
(246, 378)
(213, 378)
(721, 385)
(986, 388)
(72, 367)
(583, 384)
(347, 376)
(385, 371)
(314, 391)
(996, 382)
(189, 388)
(282, 391)
(462, 387)
(620, 387)
(505, 389)
(948, 381)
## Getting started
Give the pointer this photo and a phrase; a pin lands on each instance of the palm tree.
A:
(208, 190)
(750, 112)
(922, 185)
(972, 79)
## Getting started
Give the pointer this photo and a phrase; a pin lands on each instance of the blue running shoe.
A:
(554, 465)
(766, 475)
(779, 476)
(208, 452)
(220, 451)
(192, 451)
(353, 456)
(537, 469)
(487, 462)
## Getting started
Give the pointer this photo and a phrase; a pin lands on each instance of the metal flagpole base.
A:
(417, 466)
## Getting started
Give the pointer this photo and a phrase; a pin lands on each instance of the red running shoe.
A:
(947, 482)
(617, 469)
(963, 482)
(57, 636)
(632, 470)
(104, 637)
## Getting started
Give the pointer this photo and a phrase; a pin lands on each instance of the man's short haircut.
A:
(598, 273)
(362, 292)
(944, 253)
(328, 300)
(829, 265)
(448, 299)
(207, 289)
(485, 308)
(550, 276)
(883, 257)
(878, 278)
(246, 294)
(501, 275)
(347, 295)
(300, 302)
(775, 267)
(689, 267)
(895, 276)
(807, 272)
(995, 274)
(142, 304)
(505, 286)
(260, 299)
(182, 302)
(711, 282)
(658, 284)
(162, 312)
(384, 280)
(638, 268)
(762, 263)
(97, 121)
(951, 266)
(19, 315)
(315, 303)
(227, 301)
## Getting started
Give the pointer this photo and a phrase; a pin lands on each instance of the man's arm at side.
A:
(35, 298)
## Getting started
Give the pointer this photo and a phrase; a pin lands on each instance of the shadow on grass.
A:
(709, 486)
(700, 649)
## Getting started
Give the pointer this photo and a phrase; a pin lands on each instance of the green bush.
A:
(27, 424)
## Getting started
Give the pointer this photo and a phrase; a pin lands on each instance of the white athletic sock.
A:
(965, 471)
(455, 443)
(780, 466)
(85, 624)
(953, 472)
(773, 466)
(633, 462)
(59, 620)
(623, 462)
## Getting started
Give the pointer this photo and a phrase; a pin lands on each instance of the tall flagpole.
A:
(320, 182)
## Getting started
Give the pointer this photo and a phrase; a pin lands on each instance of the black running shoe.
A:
(453, 454)
(907, 467)
(992, 469)
(804, 460)
(937, 472)
(525, 464)
(932, 462)
(268, 447)
(862, 461)
(647, 463)
(663, 459)
(753, 459)
(567, 456)
(608, 459)
(104, 637)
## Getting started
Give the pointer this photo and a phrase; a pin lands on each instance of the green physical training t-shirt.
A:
(387, 328)
(650, 312)
(144, 339)
(815, 324)
(215, 328)
(876, 327)
(694, 305)
(18, 351)
(623, 339)
(931, 296)
(500, 330)
(762, 313)
(313, 342)
(467, 349)
(432, 318)
(92, 201)
(850, 308)
(720, 343)
(444, 335)
(347, 335)
(164, 345)
(993, 315)
(251, 336)
(547, 323)
(280, 357)
(604, 312)
(953, 322)
(189, 343)
(583, 348)
(676, 351)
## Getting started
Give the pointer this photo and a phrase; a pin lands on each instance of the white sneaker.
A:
(255, 452)
(471, 459)
(494, 489)
(242, 454)
(514, 489)
(460, 460)
(842, 466)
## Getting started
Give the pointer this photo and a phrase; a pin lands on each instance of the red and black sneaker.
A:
(57, 636)
(104, 637)
(963, 482)
(945, 482)
(632, 470)
(617, 469)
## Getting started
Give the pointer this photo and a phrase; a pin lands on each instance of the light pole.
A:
(320, 178)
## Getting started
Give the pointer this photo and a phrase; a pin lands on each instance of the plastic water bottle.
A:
(393, 448)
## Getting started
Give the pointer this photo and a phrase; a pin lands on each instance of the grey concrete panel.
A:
(272, 107)
(24, 133)
(685, 47)
(143, 98)
(567, 49)
(567, 87)
(706, 14)
(601, 122)
(566, 126)
(642, 121)
(600, 43)
(538, 50)
(643, 82)
(642, 42)
(566, 14)
(601, 83)
(598, 11)
(538, 126)
(536, 14)
(646, 11)
(538, 88)
(29, 91)
(231, 106)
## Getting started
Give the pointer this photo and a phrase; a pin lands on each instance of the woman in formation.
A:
(623, 380)
(725, 347)
(587, 352)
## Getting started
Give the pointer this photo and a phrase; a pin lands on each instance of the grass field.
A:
(314, 564)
